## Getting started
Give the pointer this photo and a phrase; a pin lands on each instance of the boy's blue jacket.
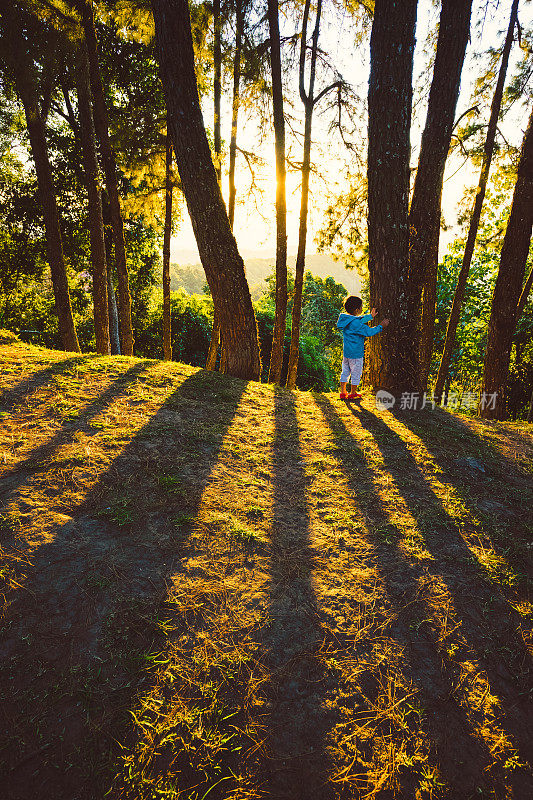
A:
(354, 331)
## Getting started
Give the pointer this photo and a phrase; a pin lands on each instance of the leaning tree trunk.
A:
(95, 218)
(278, 337)
(167, 341)
(455, 313)
(393, 362)
(27, 92)
(110, 169)
(425, 212)
(513, 259)
(220, 257)
(308, 100)
(239, 25)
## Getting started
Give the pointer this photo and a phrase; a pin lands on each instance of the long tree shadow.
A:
(489, 623)
(461, 754)
(18, 394)
(38, 459)
(492, 486)
(80, 617)
(298, 721)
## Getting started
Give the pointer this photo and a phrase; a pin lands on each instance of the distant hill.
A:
(191, 276)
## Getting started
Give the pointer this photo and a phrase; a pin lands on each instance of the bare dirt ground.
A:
(214, 589)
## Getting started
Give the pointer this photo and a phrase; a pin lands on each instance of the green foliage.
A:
(192, 320)
(467, 361)
(466, 366)
(320, 342)
(344, 231)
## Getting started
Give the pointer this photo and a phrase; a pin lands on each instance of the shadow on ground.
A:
(298, 767)
(99, 577)
(488, 623)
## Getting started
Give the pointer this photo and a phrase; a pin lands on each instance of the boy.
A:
(354, 331)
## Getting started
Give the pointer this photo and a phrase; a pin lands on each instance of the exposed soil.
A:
(220, 589)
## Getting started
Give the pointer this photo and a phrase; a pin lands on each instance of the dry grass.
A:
(215, 589)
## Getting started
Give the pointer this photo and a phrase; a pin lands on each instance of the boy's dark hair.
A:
(352, 304)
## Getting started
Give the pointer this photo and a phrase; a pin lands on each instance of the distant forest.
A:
(191, 277)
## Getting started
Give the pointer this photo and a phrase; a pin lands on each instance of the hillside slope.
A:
(221, 589)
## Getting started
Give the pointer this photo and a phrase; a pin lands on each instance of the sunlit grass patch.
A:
(254, 511)
(195, 726)
(497, 568)
(227, 525)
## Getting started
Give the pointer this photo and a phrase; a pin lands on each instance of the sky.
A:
(255, 217)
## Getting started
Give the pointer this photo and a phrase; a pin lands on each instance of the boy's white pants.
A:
(352, 367)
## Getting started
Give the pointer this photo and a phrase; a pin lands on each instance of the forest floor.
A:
(225, 590)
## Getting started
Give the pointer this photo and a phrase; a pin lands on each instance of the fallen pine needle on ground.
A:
(226, 590)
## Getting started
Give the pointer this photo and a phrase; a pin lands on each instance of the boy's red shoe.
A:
(354, 396)
(343, 396)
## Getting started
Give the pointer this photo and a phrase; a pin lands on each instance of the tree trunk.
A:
(213, 345)
(220, 257)
(217, 86)
(525, 294)
(509, 283)
(110, 169)
(453, 322)
(239, 25)
(278, 337)
(393, 355)
(95, 218)
(307, 98)
(425, 212)
(114, 335)
(27, 92)
(167, 333)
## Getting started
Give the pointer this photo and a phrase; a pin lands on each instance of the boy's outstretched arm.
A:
(366, 331)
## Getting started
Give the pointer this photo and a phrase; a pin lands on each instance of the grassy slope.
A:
(224, 589)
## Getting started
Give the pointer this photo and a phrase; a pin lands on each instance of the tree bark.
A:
(278, 337)
(27, 91)
(455, 314)
(393, 362)
(513, 259)
(114, 335)
(425, 212)
(213, 345)
(220, 257)
(110, 169)
(217, 86)
(167, 341)
(239, 25)
(525, 294)
(307, 98)
(94, 194)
